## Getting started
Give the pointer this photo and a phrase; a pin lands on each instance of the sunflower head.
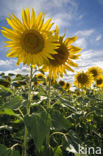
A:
(95, 71)
(83, 80)
(35, 83)
(66, 52)
(62, 83)
(40, 76)
(78, 93)
(67, 86)
(30, 40)
(99, 81)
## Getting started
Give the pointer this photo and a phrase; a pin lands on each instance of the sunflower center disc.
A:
(32, 42)
(82, 78)
(99, 81)
(94, 72)
(61, 57)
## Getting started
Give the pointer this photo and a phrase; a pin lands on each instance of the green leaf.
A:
(9, 112)
(4, 82)
(59, 121)
(38, 125)
(58, 152)
(13, 153)
(13, 103)
(4, 91)
(46, 151)
(67, 104)
(4, 151)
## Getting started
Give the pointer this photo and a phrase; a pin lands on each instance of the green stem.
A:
(28, 112)
(49, 92)
(48, 106)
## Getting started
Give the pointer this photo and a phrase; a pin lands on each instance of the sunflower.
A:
(40, 76)
(99, 81)
(62, 83)
(31, 40)
(63, 59)
(95, 71)
(35, 83)
(67, 86)
(83, 80)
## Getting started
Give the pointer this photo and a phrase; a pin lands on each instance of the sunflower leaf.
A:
(38, 125)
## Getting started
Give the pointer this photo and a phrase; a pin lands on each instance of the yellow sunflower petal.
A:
(28, 16)
(33, 17)
(24, 18)
(69, 41)
(69, 68)
(39, 18)
(74, 49)
(75, 57)
(71, 63)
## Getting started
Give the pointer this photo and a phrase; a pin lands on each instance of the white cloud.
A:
(84, 38)
(99, 37)
(52, 8)
(85, 33)
(90, 58)
(81, 42)
(7, 63)
(61, 19)
(22, 70)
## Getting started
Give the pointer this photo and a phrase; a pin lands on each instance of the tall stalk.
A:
(49, 86)
(48, 106)
(28, 112)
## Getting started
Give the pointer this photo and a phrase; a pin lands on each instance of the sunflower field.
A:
(40, 115)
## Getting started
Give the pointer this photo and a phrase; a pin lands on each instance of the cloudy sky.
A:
(83, 18)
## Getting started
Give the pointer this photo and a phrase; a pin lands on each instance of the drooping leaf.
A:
(59, 121)
(4, 91)
(13, 103)
(38, 125)
(9, 112)
(67, 104)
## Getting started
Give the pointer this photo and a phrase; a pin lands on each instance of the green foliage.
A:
(4, 151)
(71, 119)
(38, 125)
(47, 151)
(58, 152)
(13, 103)
(5, 91)
(59, 122)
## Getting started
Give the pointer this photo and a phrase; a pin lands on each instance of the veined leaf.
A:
(13, 103)
(38, 125)
(59, 121)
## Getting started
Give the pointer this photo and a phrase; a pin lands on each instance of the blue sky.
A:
(83, 18)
